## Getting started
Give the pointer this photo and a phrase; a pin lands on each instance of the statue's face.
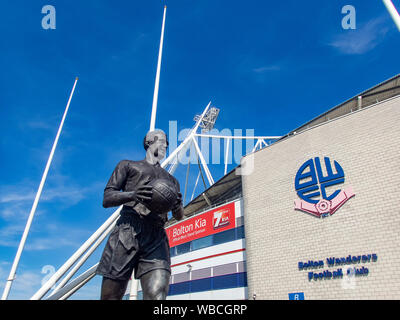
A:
(158, 148)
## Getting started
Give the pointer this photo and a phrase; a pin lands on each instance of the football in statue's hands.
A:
(164, 196)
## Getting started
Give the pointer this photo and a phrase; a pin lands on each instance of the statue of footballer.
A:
(138, 243)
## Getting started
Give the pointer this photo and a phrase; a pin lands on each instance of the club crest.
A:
(312, 183)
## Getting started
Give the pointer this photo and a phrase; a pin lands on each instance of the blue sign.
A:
(296, 296)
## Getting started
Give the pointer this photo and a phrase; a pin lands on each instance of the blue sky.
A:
(269, 66)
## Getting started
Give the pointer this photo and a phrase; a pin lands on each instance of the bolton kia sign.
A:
(205, 224)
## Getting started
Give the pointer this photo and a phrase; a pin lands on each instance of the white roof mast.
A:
(13, 271)
(155, 96)
(393, 12)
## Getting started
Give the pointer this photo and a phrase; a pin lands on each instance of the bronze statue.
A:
(139, 241)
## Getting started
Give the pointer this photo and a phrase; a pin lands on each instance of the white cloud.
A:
(8, 235)
(63, 193)
(25, 284)
(40, 124)
(90, 291)
(51, 242)
(15, 205)
(52, 236)
(267, 69)
(11, 197)
(28, 282)
(16, 199)
(362, 39)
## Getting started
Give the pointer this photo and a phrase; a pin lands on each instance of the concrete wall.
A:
(367, 146)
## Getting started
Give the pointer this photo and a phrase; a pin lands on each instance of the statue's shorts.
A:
(136, 244)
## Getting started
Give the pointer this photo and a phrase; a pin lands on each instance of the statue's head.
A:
(156, 143)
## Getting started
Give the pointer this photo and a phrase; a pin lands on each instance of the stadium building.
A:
(313, 215)
(317, 217)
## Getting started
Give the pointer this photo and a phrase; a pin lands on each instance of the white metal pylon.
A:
(393, 12)
(13, 271)
(203, 162)
(67, 265)
(157, 81)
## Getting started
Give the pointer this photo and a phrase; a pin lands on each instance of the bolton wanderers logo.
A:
(311, 185)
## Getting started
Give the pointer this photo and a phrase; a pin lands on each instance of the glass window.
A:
(172, 251)
(217, 238)
(224, 236)
(201, 285)
(183, 248)
(179, 288)
(242, 279)
(226, 281)
(202, 243)
(240, 232)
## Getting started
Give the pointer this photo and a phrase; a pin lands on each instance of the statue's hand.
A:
(178, 202)
(143, 194)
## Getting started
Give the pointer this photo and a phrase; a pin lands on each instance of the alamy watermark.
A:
(215, 150)
(349, 278)
(349, 20)
(49, 20)
(49, 271)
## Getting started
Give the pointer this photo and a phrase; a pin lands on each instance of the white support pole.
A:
(157, 82)
(11, 276)
(174, 165)
(255, 147)
(203, 162)
(206, 198)
(226, 155)
(195, 185)
(393, 12)
(187, 176)
(80, 285)
(187, 139)
(173, 154)
(133, 292)
(183, 150)
(60, 272)
(85, 257)
(237, 137)
(74, 285)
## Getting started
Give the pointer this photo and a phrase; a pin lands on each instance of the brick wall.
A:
(367, 146)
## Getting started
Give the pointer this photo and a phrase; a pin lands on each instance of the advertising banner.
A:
(205, 224)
